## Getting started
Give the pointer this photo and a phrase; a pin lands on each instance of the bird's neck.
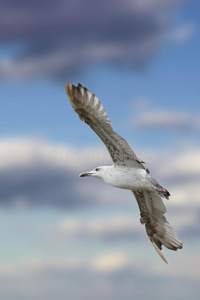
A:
(108, 171)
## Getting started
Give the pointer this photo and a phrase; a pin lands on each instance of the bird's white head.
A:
(100, 172)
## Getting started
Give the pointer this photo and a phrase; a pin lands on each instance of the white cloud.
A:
(178, 166)
(22, 151)
(113, 228)
(167, 120)
(186, 163)
(186, 193)
(183, 33)
(110, 262)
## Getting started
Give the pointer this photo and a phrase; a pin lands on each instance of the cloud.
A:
(113, 275)
(183, 217)
(180, 164)
(99, 273)
(168, 120)
(179, 170)
(183, 33)
(116, 227)
(110, 262)
(63, 37)
(35, 173)
(44, 173)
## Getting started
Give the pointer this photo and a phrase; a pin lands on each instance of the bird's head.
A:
(99, 172)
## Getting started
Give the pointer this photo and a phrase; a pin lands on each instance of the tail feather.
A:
(163, 192)
(159, 189)
(159, 251)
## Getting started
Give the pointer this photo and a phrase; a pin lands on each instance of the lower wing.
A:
(158, 229)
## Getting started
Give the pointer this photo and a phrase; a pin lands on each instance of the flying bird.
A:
(127, 172)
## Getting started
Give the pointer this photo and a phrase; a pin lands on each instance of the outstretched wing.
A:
(158, 229)
(91, 111)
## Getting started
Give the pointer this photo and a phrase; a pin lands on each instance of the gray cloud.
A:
(34, 173)
(60, 37)
(184, 218)
(38, 183)
(120, 277)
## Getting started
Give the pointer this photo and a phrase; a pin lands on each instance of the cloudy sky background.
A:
(64, 237)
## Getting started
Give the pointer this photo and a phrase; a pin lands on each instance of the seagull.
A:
(127, 172)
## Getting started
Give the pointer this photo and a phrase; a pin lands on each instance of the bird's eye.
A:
(97, 169)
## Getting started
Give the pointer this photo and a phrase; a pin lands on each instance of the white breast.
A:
(127, 178)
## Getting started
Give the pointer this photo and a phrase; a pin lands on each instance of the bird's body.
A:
(127, 172)
(126, 177)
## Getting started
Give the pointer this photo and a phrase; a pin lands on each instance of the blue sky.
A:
(60, 231)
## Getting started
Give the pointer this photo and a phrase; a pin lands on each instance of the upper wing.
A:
(158, 229)
(91, 111)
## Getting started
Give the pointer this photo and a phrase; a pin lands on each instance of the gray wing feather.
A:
(91, 111)
(158, 229)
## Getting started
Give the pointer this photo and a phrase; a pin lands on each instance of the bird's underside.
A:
(152, 208)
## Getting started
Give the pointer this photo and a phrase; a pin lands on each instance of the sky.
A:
(65, 237)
